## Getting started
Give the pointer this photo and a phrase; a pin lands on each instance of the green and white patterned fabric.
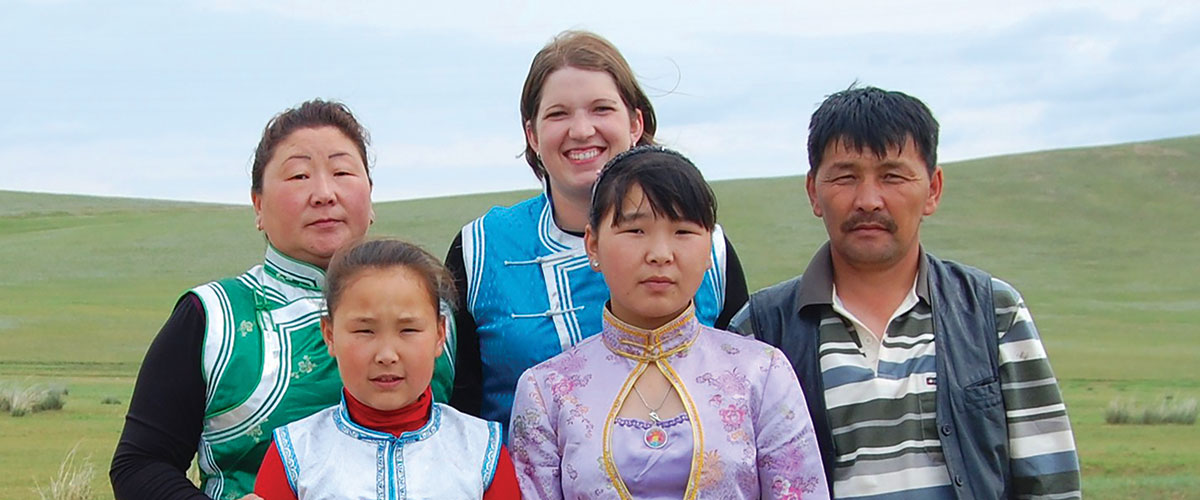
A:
(265, 365)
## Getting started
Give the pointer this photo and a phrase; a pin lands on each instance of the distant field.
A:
(1103, 242)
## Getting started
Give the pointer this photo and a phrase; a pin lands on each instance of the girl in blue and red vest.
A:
(387, 438)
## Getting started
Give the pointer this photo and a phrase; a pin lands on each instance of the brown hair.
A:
(383, 254)
(583, 50)
(310, 114)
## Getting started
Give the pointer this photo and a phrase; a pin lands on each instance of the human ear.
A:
(327, 334)
(935, 192)
(256, 201)
(441, 333)
(531, 137)
(636, 127)
(810, 185)
(592, 245)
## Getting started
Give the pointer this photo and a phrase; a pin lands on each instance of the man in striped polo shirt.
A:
(925, 379)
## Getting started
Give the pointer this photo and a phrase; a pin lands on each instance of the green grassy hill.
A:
(1103, 242)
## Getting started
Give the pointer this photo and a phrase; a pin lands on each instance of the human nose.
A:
(323, 190)
(658, 250)
(868, 196)
(387, 353)
(581, 127)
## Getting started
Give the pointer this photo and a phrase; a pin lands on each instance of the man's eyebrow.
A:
(842, 165)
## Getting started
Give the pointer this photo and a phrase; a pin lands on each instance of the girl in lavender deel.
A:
(657, 405)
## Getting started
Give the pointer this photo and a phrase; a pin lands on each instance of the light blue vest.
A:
(533, 295)
(327, 455)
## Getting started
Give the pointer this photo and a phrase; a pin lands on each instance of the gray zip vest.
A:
(970, 408)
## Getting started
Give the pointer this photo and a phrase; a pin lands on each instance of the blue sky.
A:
(167, 99)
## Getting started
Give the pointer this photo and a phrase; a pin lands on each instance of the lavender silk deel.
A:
(746, 432)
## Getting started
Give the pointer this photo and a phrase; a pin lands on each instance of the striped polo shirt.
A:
(880, 397)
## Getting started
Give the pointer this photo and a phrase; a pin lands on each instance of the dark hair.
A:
(310, 114)
(672, 184)
(383, 254)
(583, 50)
(875, 119)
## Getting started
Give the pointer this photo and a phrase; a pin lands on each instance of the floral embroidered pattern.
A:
(783, 489)
(730, 382)
(568, 362)
(733, 416)
(756, 436)
(303, 367)
(255, 432)
(714, 470)
(562, 389)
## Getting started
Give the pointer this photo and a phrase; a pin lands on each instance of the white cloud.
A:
(174, 167)
(638, 21)
(991, 130)
(168, 101)
(464, 165)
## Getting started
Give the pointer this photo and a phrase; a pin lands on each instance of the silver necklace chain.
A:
(653, 411)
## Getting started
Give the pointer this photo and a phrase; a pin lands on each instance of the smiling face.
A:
(581, 123)
(386, 335)
(316, 196)
(872, 207)
(653, 265)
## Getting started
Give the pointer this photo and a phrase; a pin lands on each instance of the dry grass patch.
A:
(73, 481)
(19, 400)
(1168, 410)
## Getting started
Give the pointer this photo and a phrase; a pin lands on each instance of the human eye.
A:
(363, 331)
(843, 178)
(688, 228)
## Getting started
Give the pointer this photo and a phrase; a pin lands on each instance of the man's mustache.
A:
(869, 218)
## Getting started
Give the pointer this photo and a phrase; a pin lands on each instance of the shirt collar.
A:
(294, 272)
(552, 236)
(816, 284)
(650, 345)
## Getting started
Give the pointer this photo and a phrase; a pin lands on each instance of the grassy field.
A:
(1103, 242)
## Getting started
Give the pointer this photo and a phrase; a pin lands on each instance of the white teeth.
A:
(586, 154)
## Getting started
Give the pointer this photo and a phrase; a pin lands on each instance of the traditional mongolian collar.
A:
(292, 271)
(650, 345)
(347, 425)
(395, 422)
(552, 236)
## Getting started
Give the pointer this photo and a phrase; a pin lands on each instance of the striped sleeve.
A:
(1041, 445)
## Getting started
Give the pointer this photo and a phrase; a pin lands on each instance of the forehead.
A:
(569, 83)
(842, 153)
(384, 284)
(323, 141)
